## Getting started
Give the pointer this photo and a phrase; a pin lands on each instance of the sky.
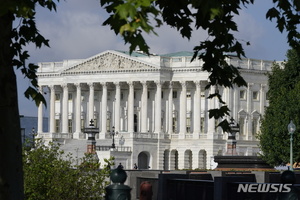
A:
(75, 31)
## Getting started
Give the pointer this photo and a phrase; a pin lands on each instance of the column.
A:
(40, 114)
(236, 107)
(104, 111)
(130, 107)
(78, 112)
(158, 107)
(197, 110)
(117, 107)
(262, 99)
(249, 111)
(182, 119)
(65, 109)
(52, 109)
(170, 122)
(144, 107)
(91, 102)
(211, 121)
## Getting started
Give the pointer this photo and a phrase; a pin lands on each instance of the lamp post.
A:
(231, 144)
(112, 133)
(91, 131)
(33, 135)
(291, 129)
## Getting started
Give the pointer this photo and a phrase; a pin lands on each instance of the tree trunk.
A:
(11, 171)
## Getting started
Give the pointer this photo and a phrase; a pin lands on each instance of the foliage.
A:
(25, 32)
(49, 174)
(284, 95)
(130, 18)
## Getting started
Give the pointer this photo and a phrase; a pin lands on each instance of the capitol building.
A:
(153, 108)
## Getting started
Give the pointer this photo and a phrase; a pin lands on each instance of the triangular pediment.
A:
(109, 61)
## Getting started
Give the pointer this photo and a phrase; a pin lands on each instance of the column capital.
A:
(52, 87)
(104, 84)
(171, 84)
(64, 86)
(77, 85)
(250, 85)
(159, 83)
(198, 83)
(144, 83)
(263, 86)
(130, 83)
(183, 84)
(91, 85)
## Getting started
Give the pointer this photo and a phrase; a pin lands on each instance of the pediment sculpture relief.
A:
(109, 61)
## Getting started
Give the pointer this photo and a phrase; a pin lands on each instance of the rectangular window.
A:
(70, 128)
(174, 125)
(57, 97)
(57, 126)
(174, 94)
(108, 125)
(188, 94)
(70, 97)
(188, 125)
(242, 94)
(134, 95)
(162, 94)
(148, 95)
(254, 126)
(241, 123)
(122, 95)
(255, 95)
(202, 125)
(108, 96)
(82, 125)
(203, 94)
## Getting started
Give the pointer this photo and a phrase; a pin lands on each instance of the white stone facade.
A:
(157, 105)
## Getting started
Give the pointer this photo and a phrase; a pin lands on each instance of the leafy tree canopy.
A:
(284, 95)
(132, 18)
(49, 174)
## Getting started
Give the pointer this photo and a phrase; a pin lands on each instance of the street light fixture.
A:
(33, 136)
(112, 133)
(231, 143)
(291, 129)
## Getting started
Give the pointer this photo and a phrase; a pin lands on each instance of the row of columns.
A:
(144, 104)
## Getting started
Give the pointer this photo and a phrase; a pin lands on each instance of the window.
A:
(174, 94)
(254, 126)
(188, 94)
(134, 95)
(174, 125)
(82, 125)
(70, 126)
(241, 123)
(57, 126)
(108, 125)
(203, 94)
(57, 97)
(122, 95)
(188, 125)
(255, 95)
(162, 94)
(148, 95)
(70, 97)
(202, 125)
(242, 94)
